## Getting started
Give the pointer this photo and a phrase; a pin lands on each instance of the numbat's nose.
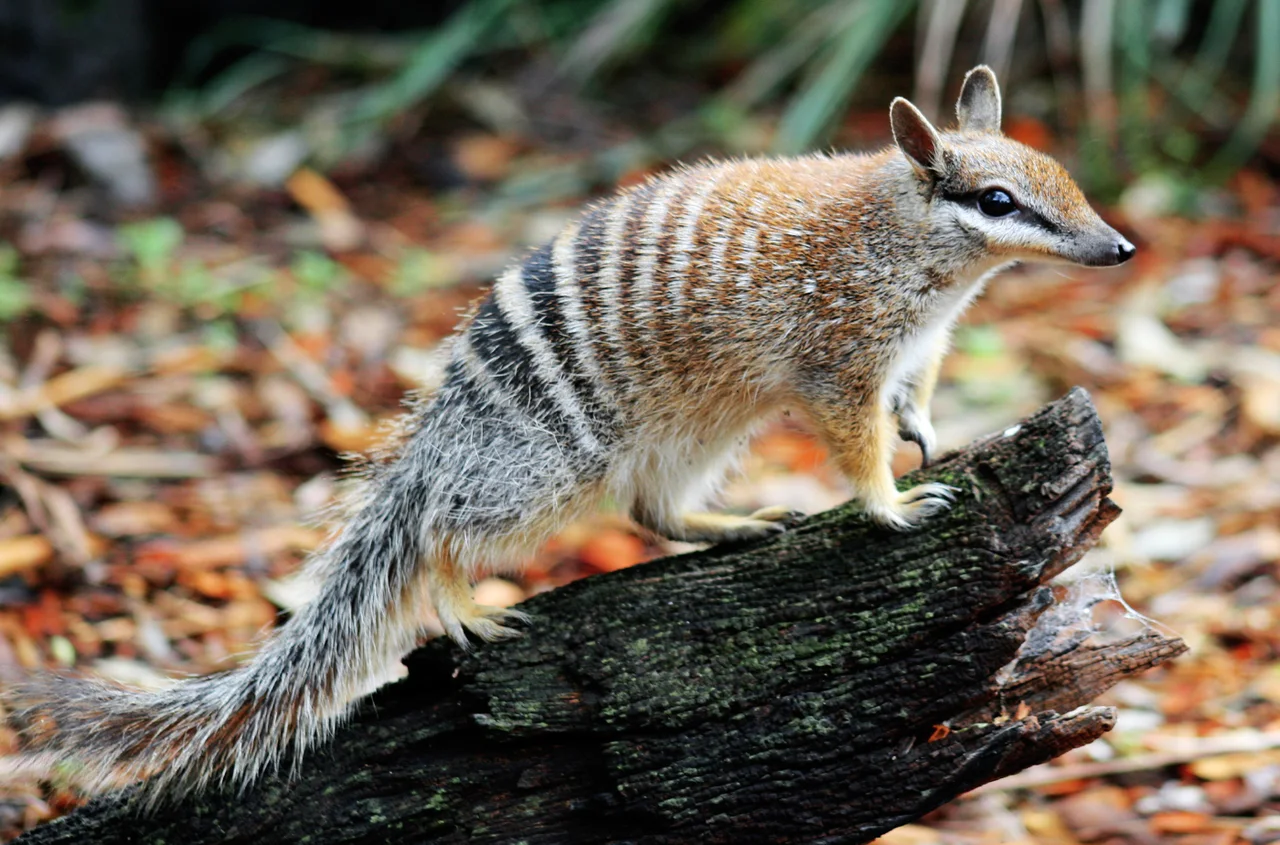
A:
(1124, 251)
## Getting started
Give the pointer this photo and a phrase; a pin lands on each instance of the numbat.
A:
(629, 358)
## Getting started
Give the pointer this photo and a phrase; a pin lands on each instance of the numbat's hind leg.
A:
(716, 527)
(450, 588)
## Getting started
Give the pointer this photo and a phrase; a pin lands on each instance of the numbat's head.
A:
(991, 194)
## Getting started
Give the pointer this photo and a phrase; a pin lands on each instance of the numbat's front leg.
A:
(914, 421)
(860, 438)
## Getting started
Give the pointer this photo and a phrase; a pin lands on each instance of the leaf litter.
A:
(179, 382)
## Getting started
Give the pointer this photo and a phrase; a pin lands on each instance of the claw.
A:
(485, 624)
(932, 490)
(918, 438)
(781, 515)
(916, 427)
(490, 623)
(914, 506)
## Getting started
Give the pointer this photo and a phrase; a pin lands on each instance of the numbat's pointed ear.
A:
(978, 108)
(916, 137)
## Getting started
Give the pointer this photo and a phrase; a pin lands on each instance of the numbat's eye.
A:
(996, 203)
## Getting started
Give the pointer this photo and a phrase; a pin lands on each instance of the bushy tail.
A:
(233, 726)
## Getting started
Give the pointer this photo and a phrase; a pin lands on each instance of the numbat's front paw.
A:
(914, 506)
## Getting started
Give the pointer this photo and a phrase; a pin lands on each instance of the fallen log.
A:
(829, 684)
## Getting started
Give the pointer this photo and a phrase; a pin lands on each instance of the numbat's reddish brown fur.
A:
(629, 358)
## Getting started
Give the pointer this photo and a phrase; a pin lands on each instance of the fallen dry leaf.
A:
(237, 549)
(60, 390)
(340, 229)
(18, 554)
(611, 550)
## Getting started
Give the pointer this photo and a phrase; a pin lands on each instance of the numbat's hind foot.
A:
(478, 622)
(494, 623)
(719, 527)
(780, 515)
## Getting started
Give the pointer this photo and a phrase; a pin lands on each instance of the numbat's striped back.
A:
(627, 360)
(648, 296)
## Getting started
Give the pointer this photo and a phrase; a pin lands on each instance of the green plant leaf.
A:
(315, 273)
(1264, 98)
(15, 293)
(864, 33)
(151, 243)
(432, 61)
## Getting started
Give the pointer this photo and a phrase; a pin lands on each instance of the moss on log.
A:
(788, 690)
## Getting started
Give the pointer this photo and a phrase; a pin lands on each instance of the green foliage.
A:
(15, 296)
(430, 62)
(151, 243)
(1141, 83)
(411, 68)
(619, 30)
(316, 273)
(1264, 98)
(980, 341)
(151, 248)
(152, 264)
(417, 271)
(1171, 81)
(221, 334)
(851, 47)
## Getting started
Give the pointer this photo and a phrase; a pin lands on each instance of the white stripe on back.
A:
(569, 295)
(514, 302)
(609, 280)
(686, 233)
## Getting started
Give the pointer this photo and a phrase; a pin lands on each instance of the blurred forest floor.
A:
(177, 384)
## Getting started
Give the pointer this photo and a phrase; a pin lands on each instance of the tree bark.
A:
(827, 685)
